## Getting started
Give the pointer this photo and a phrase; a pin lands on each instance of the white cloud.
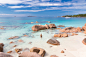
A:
(47, 4)
(18, 6)
(12, 1)
(12, 15)
(45, 0)
(28, 10)
(15, 6)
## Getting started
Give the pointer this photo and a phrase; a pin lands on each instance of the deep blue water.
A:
(20, 21)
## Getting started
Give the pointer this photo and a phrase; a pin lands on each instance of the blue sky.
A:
(22, 8)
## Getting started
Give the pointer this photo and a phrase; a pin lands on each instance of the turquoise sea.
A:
(19, 26)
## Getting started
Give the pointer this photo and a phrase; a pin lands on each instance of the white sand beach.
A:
(72, 45)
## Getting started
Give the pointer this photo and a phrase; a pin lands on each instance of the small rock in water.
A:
(14, 37)
(53, 56)
(32, 22)
(62, 51)
(29, 42)
(14, 45)
(41, 35)
(11, 42)
(37, 22)
(20, 40)
(9, 52)
(25, 35)
(18, 50)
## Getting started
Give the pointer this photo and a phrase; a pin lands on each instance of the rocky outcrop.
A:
(41, 27)
(64, 35)
(52, 25)
(57, 35)
(18, 50)
(53, 56)
(61, 35)
(1, 47)
(84, 27)
(53, 42)
(84, 41)
(14, 37)
(85, 32)
(71, 30)
(47, 26)
(5, 55)
(61, 26)
(38, 27)
(29, 54)
(39, 51)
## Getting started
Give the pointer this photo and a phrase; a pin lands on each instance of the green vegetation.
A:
(79, 15)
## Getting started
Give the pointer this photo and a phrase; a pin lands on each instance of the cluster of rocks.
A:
(74, 30)
(34, 52)
(61, 35)
(41, 27)
(84, 28)
(71, 30)
(14, 37)
(1, 51)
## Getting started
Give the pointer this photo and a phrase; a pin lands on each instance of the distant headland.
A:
(79, 15)
(31, 16)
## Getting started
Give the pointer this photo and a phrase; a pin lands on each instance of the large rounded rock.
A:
(61, 26)
(53, 42)
(57, 35)
(85, 24)
(84, 41)
(40, 51)
(38, 27)
(62, 30)
(84, 28)
(1, 47)
(4, 55)
(64, 35)
(69, 28)
(52, 25)
(47, 26)
(78, 29)
(84, 32)
(29, 54)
